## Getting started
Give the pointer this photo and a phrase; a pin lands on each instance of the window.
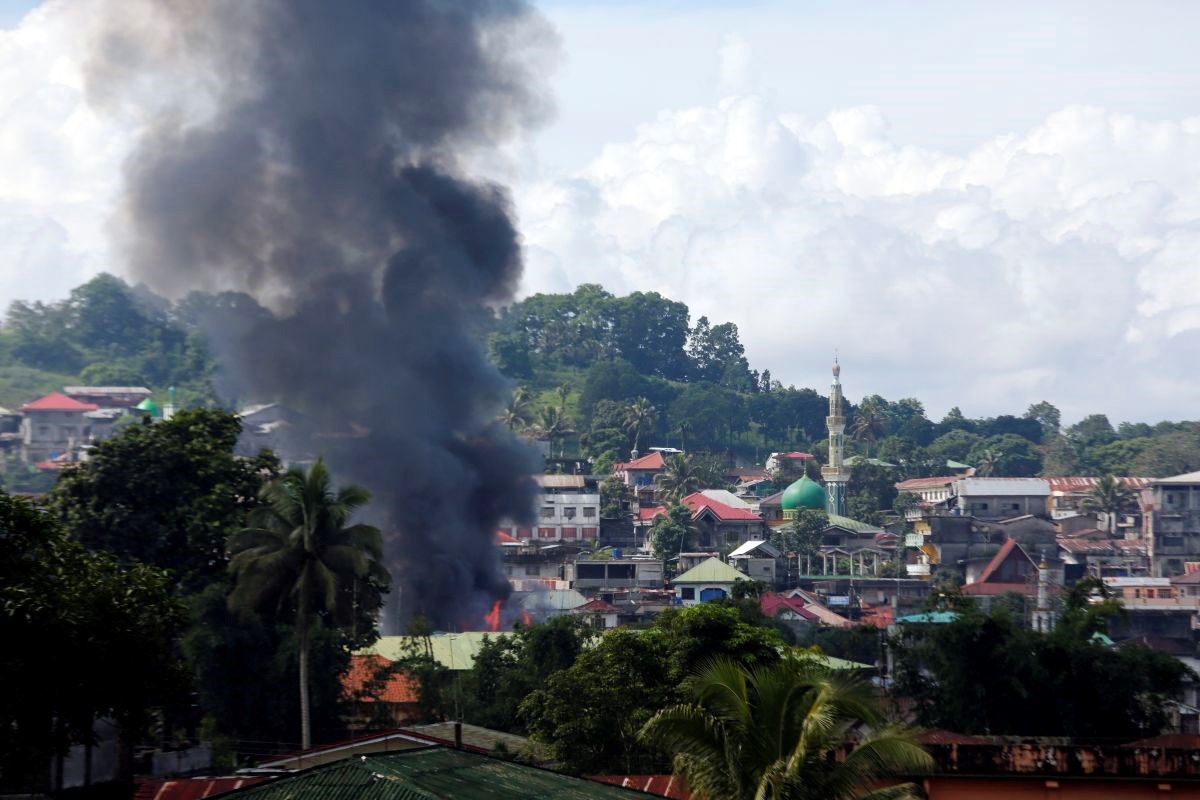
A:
(531, 570)
(622, 572)
(545, 533)
(569, 513)
(590, 571)
(547, 512)
(569, 533)
(1016, 506)
(589, 511)
(983, 506)
(524, 533)
(589, 533)
(688, 593)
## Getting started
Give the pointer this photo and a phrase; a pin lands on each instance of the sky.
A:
(975, 204)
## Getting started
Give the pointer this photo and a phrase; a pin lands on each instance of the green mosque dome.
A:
(804, 493)
(148, 406)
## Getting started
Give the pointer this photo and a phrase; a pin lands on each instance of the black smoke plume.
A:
(312, 154)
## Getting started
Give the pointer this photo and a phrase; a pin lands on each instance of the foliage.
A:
(769, 732)
(803, 535)
(301, 559)
(167, 494)
(1110, 496)
(590, 713)
(988, 674)
(672, 533)
(1006, 455)
(84, 636)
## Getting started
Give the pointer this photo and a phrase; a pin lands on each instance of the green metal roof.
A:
(427, 774)
(804, 493)
(852, 524)
(932, 617)
(149, 406)
(711, 570)
(452, 650)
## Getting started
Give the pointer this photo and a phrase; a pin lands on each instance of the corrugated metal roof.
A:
(1081, 484)
(560, 481)
(712, 570)
(451, 650)
(1002, 487)
(433, 773)
(1190, 477)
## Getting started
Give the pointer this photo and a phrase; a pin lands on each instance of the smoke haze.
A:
(310, 154)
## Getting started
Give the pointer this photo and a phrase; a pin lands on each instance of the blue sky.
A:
(12, 10)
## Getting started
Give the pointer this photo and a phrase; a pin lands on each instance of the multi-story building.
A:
(1171, 523)
(568, 510)
(1000, 498)
(53, 426)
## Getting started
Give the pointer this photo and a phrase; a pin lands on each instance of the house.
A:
(800, 609)
(719, 525)
(711, 580)
(1171, 523)
(639, 473)
(526, 560)
(600, 614)
(933, 495)
(52, 426)
(1010, 570)
(568, 510)
(1068, 493)
(108, 396)
(1100, 558)
(789, 463)
(378, 695)
(1000, 498)
(590, 576)
(758, 559)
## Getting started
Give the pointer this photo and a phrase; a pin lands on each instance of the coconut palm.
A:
(553, 425)
(989, 462)
(517, 413)
(640, 417)
(1110, 495)
(869, 422)
(299, 556)
(683, 429)
(775, 732)
(680, 477)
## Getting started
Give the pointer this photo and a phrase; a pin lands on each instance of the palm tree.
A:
(683, 429)
(553, 424)
(640, 416)
(516, 413)
(300, 556)
(679, 478)
(989, 461)
(868, 423)
(1110, 495)
(771, 734)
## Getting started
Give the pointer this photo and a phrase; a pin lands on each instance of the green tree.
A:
(640, 417)
(85, 636)
(300, 557)
(1111, 496)
(1048, 416)
(1006, 455)
(516, 415)
(680, 478)
(802, 536)
(672, 532)
(870, 421)
(168, 494)
(770, 732)
(553, 425)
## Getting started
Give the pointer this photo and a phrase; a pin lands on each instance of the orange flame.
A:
(525, 618)
(493, 619)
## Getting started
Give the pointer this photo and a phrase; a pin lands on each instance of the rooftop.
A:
(57, 401)
(1079, 484)
(914, 484)
(653, 460)
(711, 570)
(699, 502)
(367, 682)
(1002, 487)
(103, 390)
(560, 481)
(1189, 477)
(755, 544)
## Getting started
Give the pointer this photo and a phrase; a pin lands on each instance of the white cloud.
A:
(1052, 264)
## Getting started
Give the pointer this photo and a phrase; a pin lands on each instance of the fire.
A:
(493, 619)
(525, 618)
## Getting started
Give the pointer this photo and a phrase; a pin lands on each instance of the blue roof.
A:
(932, 617)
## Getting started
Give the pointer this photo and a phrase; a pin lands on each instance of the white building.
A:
(568, 509)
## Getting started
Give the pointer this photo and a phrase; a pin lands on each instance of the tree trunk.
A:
(305, 722)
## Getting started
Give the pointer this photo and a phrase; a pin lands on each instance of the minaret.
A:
(835, 473)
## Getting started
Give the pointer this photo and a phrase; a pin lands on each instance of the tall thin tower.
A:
(835, 474)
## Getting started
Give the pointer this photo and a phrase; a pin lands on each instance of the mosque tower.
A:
(835, 473)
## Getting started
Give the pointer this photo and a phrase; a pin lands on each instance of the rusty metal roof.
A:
(428, 773)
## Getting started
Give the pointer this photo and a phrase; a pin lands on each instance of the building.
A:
(711, 580)
(568, 510)
(1068, 493)
(758, 559)
(1009, 571)
(108, 396)
(1000, 498)
(52, 426)
(835, 473)
(1171, 523)
(639, 473)
(934, 495)
(721, 526)
(592, 577)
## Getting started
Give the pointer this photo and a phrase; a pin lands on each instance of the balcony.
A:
(914, 539)
(917, 570)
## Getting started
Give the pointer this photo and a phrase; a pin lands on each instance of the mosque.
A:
(845, 539)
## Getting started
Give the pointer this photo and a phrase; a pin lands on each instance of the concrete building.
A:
(1171, 523)
(1000, 498)
(711, 580)
(758, 559)
(568, 510)
(108, 396)
(591, 577)
(52, 426)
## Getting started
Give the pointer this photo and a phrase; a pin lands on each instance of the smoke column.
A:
(311, 154)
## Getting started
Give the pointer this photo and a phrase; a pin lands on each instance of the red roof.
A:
(191, 788)
(795, 454)
(396, 688)
(1189, 578)
(57, 401)
(660, 785)
(998, 559)
(504, 538)
(596, 606)
(648, 513)
(652, 460)
(698, 502)
(927, 483)
(771, 604)
(937, 736)
(1079, 485)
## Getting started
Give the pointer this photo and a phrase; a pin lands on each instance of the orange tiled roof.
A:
(358, 680)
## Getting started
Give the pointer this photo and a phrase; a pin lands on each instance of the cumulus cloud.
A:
(1060, 263)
